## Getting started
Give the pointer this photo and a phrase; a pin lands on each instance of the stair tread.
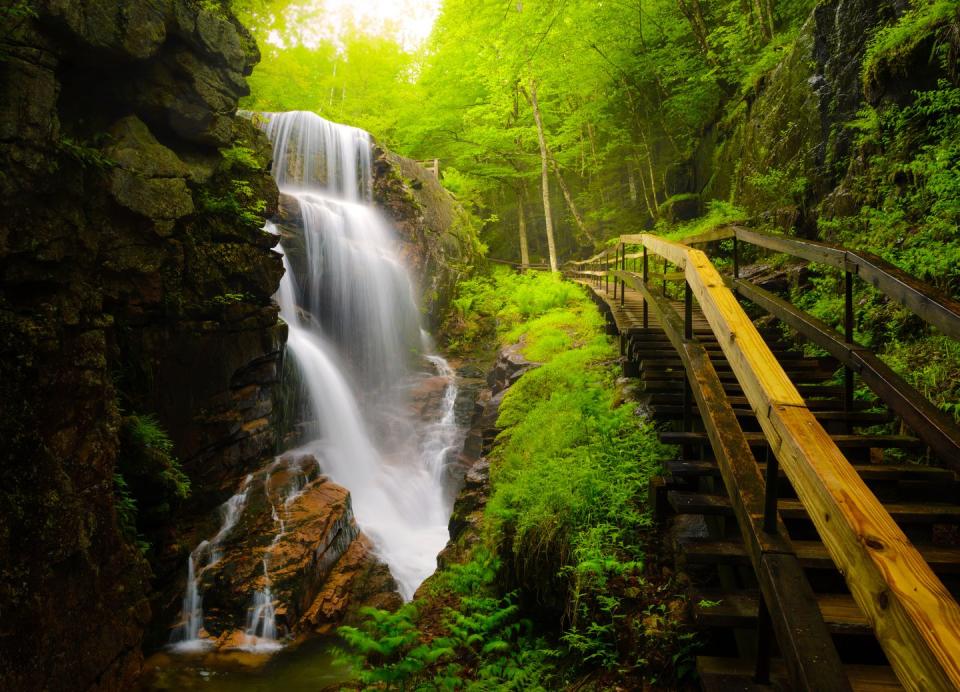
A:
(719, 505)
(840, 612)
(894, 472)
(842, 441)
(722, 674)
(812, 554)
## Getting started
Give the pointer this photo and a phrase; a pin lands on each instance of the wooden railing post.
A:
(761, 674)
(736, 259)
(848, 335)
(616, 266)
(623, 267)
(606, 270)
(770, 493)
(646, 272)
(688, 335)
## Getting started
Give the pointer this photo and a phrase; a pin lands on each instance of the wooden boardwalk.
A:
(844, 575)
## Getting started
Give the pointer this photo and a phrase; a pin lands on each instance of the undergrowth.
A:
(557, 587)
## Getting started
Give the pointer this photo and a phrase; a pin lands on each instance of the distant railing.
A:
(432, 165)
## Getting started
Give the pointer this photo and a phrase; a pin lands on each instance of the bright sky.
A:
(409, 20)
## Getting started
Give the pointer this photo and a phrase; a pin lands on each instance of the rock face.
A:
(296, 536)
(134, 277)
(435, 232)
(472, 498)
(794, 124)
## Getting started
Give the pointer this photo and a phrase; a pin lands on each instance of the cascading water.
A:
(186, 635)
(353, 326)
(352, 317)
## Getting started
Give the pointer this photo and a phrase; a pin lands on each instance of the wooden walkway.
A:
(790, 597)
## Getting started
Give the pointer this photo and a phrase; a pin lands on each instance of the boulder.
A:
(296, 539)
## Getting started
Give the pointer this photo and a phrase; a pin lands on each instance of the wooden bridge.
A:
(823, 555)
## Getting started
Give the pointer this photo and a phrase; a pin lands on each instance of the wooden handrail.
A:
(916, 620)
(932, 306)
(928, 422)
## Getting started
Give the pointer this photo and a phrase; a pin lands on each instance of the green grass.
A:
(719, 213)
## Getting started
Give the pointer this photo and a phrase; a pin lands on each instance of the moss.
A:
(891, 48)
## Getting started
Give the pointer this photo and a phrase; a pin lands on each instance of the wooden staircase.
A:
(780, 604)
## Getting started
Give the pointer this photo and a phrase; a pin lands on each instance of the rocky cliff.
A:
(436, 235)
(783, 148)
(135, 280)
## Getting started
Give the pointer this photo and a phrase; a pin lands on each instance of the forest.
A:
(480, 344)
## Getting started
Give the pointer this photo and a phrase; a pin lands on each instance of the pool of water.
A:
(311, 666)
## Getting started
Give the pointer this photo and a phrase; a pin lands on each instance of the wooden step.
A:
(721, 674)
(673, 398)
(676, 412)
(799, 365)
(869, 472)
(739, 609)
(812, 555)
(756, 439)
(902, 512)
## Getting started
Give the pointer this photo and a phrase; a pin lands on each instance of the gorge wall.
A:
(786, 150)
(135, 280)
(135, 300)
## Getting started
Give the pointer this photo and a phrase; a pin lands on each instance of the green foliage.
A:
(910, 186)
(154, 482)
(719, 213)
(86, 154)
(18, 9)
(231, 194)
(891, 47)
(776, 188)
(625, 89)
(240, 157)
(489, 306)
(932, 365)
(126, 507)
(485, 644)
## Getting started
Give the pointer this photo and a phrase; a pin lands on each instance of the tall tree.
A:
(522, 228)
(544, 175)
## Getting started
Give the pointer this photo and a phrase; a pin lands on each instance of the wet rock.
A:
(357, 580)
(436, 238)
(120, 291)
(297, 536)
(510, 366)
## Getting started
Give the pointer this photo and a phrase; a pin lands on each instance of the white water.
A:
(261, 631)
(353, 321)
(353, 331)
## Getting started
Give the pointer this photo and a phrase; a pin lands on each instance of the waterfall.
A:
(353, 336)
(261, 630)
(348, 301)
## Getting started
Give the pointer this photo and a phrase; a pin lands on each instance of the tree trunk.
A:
(569, 199)
(544, 176)
(632, 182)
(522, 230)
(692, 10)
